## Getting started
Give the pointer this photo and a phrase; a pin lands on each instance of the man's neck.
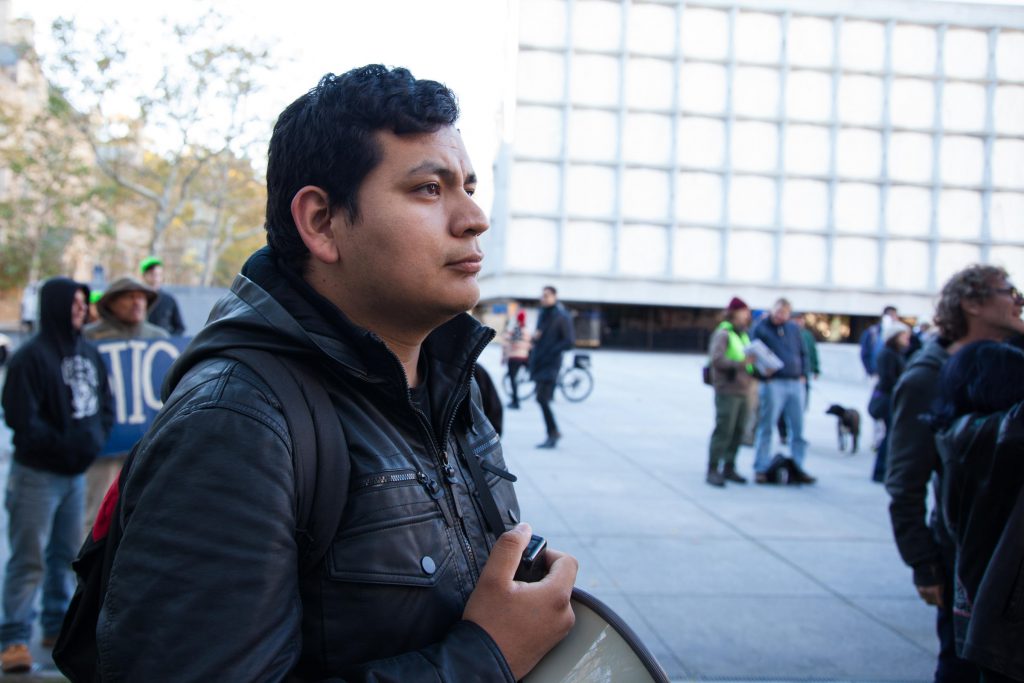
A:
(974, 335)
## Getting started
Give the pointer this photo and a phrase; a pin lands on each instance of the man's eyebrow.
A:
(435, 168)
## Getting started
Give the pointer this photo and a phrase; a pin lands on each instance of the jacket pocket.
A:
(408, 551)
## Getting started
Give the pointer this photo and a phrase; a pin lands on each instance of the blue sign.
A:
(136, 370)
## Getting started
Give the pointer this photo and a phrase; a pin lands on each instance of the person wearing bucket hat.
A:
(122, 310)
(164, 311)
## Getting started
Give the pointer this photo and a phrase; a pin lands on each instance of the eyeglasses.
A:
(1014, 293)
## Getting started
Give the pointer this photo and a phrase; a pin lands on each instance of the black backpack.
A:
(322, 468)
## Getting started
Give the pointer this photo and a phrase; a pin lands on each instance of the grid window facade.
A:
(717, 142)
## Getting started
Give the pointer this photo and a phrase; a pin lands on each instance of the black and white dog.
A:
(848, 424)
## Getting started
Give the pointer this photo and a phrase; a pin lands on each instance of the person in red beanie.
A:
(516, 353)
(733, 373)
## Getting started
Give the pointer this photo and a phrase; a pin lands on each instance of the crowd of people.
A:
(363, 286)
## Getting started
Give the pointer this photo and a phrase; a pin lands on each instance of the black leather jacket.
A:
(205, 583)
(983, 506)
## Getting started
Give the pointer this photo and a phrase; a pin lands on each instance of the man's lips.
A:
(468, 264)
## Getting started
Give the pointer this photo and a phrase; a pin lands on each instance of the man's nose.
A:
(469, 218)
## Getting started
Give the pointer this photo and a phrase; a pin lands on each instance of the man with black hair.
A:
(57, 402)
(975, 304)
(371, 263)
(871, 339)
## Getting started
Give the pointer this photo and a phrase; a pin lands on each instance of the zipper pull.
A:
(436, 493)
(449, 474)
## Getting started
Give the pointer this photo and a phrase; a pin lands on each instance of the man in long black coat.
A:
(554, 336)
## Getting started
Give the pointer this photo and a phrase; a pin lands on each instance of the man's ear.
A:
(311, 211)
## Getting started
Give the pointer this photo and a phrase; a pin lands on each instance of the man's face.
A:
(78, 310)
(547, 298)
(413, 254)
(129, 307)
(1000, 313)
(780, 314)
(742, 318)
(154, 277)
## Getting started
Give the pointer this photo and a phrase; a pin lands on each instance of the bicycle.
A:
(575, 382)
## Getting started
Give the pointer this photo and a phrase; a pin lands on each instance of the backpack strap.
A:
(319, 449)
(483, 492)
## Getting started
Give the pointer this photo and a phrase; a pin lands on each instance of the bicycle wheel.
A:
(576, 384)
(525, 385)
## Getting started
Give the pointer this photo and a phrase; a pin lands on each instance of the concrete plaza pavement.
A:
(750, 582)
(742, 583)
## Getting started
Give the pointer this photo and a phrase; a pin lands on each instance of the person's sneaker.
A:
(550, 442)
(16, 659)
(732, 475)
(715, 478)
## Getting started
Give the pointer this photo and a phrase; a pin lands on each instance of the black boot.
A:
(550, 442)
(715, 478)
(732, 475)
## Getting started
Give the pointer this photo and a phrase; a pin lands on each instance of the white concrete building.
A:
(665, 154)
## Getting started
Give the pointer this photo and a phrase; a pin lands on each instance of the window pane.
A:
(807, 150)
(1010, 258)
(913, 103)
(645, 194)
(702, 88)
(809, 96)
(592, 135)
(642, 250)
(750, 256)
(752, 201)
(595, 79)
(855, 262)
(859, 153)
(701, 142)
(966, 54)
(802, 259)
(542, 22)
(913, 49)
(699, 198)
(959, 214)
(647, 139)
(804, 205)
(1006, 216)
(1010, 55)
(963, 107)
(587, 247)
(962, 160)
(1009, 106)
(910, 157)
(538, 131)
(860, 100)
(590, 191)
(906, 265)
(1008, 163)
(698, 253)
(758, 38)
(756, 92)
(652, 29)
(856, 208)
(705, 33)
(754, 146)
(540, 76)
(597, 25)
(649, 83)
(810, 42)
(531, 244)
(535, 188)
(909, 211)
(863, 45)
(953, 257)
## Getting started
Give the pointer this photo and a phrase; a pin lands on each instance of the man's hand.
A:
(525, 620)
(931, 594)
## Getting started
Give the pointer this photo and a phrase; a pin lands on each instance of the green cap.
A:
(95, 295)
(149, 262)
